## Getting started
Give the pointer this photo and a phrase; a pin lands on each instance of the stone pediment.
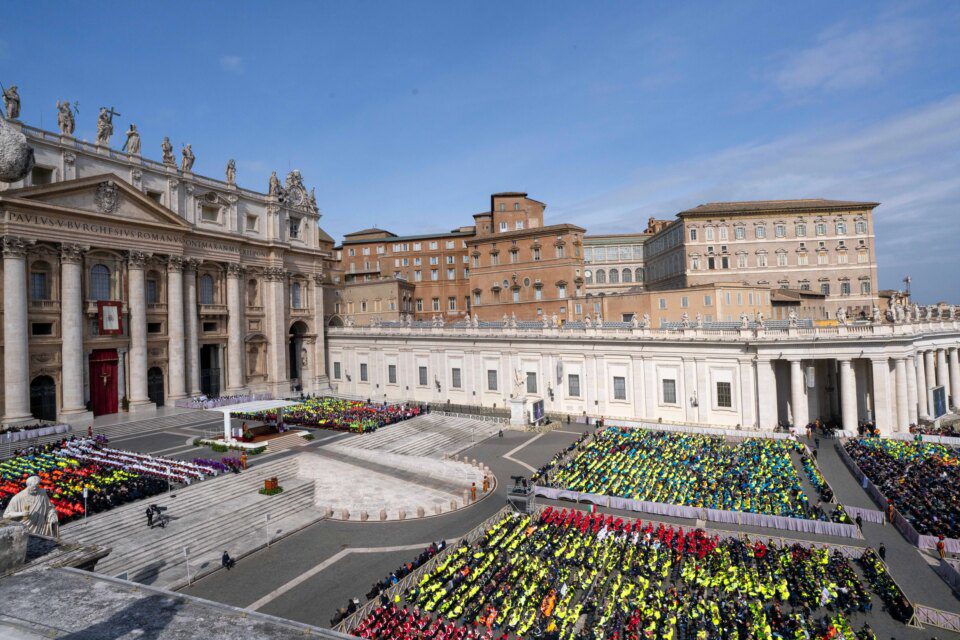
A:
(104, 195)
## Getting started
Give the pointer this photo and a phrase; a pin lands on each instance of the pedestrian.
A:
(882, 552)
(816, 443)
(941, 548)
(815, 451)
(90, 431)
(859, 522)
(500, 433)
(890, 510)
(243, 459)
(473, 491)
(150, 517)
(226, 561)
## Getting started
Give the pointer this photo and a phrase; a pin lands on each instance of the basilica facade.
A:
(129, 283)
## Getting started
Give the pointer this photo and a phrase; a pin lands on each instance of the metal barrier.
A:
(924, 615)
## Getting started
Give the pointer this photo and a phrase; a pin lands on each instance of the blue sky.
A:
(408, 115)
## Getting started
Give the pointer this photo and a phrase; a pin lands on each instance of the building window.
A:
(801, 230)
(494, 259)
(601, 276)
(723, 233)
(561, 291)
(436, 304)
(662, 303)
(669, 391)
(422, 374)
(531, 382)
(516, 295)
(865, 287)
(419, 304)
(739, 233)
(802, 258)
(842, 257)
(825, 288)
(762, 260)
(573, 385)
(476, 297)
(724, 395)
(100, 282)
(41, 328)
(452, 303)
(781, 259)
(760, 232)
(861, 227)
(503, 225)
(363, 372)
(862, 257)
(151, 292)
(780, 230)
(823, 258)
(434, 274)
(206, 289)
(821, 229)
(518, 224)
(693, 235)
(40, 281)
(363, 306)
(491, 379)
(725, 262)
(455, 381)
(844, 288)
(614, 276)
(417, 275)
(707, 301)
(295, 295)
(708, 234)
(536, 254)
(451, 274)
(841, 228)
(538, 293)
(434, 245)
(560, 251)
(627, 275)
(619, 388)
(336, 370)
(684, 302)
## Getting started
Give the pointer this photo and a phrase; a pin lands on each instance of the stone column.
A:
(136, 302)
(191, 320)
(275, 305)
(798, 399)
(234, 331)
(848, 400)
(175, 346)
(903, 400)
(321, 377)
(911, 372)
(882, 399)
(74, 408)
(766, 395)
(921, 384)
(943, 376)
(16, 355)
(955, 376)
(121, 375)
(929, 366)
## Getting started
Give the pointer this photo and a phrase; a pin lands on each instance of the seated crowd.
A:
(756, 476)
(111, 477)
(920, 478)
(338, 414)
(570, 574)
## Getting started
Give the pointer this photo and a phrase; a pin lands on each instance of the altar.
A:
(247, 407)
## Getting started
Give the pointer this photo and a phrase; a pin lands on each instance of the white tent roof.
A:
(259, 405)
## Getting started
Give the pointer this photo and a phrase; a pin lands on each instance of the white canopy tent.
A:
(248, 407)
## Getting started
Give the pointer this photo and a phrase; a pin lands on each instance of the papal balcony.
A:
(50, 306)
(213, 310)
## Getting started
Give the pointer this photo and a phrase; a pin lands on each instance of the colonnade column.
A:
(766, 395)
(798, 399)
(137, 304)
(955, 376)
(275, 304)
(903, 399)
(192, 350)
(930, 367)
(319, 348)
(71, 335)
(16, 355)
(912, 413)
(943, 376)
(234, 330)
(175, 346)
(848, 400)
(921, 384)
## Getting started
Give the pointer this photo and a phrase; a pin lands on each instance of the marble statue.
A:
(930, 311)
(513, 321)
(760, 322)
(186, 164)
(349, 321)
(915, 314)
(646, 321)
(33, 508)
(587, 322)
(313, 199)
(684, 320)
(476, 321)
(634, 322)
(792, 318)
(16, 156)
(875, 314)
(506, 320)
(699, 320)
(554, 321)
(842, 316)
(274, 189)
(167, 150)
(599, 321)
(518, 386)
(440, 321)
(744, 320)
(294, 193)
(105, 125)
(11, 100)
(231, 171)
(303, 358)
(65, 118)
(951, 312)
(132, 145)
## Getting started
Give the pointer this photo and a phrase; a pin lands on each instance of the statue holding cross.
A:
(105, 125)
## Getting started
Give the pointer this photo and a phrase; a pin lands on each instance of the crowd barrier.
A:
(906, 529)
(866, 515)
(213, 403)
(742, 434)
(923, 615)
(950, 441)
(950, 572)
(739, 518)
(30, 434)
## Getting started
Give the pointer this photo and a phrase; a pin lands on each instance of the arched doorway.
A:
(297, 331)
(103, 381)
(155, 385)
(43, 398)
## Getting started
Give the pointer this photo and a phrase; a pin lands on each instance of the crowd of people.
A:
(570, 574)
(756, 475)
(919, 478)
(337, 414)
(112, 477)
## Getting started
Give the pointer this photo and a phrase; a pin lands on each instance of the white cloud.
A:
(231, 64)
(850, 58)
(909, 163)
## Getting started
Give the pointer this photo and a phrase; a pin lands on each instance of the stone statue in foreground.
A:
(16, 156)
(33, 508)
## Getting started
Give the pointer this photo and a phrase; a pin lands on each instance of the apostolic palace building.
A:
(129, 283)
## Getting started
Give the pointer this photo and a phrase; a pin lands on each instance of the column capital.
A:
(136, 259)
(318, 278)
(72, 253)
(235, 270)
(275, 273)
(190, 264)
(175, 264)
(16, 247)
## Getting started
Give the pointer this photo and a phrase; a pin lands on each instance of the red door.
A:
(103, 381)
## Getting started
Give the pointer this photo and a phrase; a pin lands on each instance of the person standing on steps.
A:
(150, 517)
(882, 552)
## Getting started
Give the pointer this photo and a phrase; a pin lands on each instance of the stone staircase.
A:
(285, 443)
(430, 435)
(207, 518)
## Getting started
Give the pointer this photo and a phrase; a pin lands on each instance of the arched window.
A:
(40, 281)
(638, 274)
(295, 300)
(206, 289)
(614, 276)
(601, 276)
(100, 282)
(627, 275)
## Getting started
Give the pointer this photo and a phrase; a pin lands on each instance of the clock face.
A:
(588, 273)
(295, 197)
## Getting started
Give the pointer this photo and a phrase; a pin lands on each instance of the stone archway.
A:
(298, 331)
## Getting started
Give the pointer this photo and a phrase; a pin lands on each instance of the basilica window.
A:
(638, 274)
(601, 276)
(100, 282)
(151, 291)
(627, 275)
(296, 301)
(614, 276)
(40, 281)
(206, 289)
